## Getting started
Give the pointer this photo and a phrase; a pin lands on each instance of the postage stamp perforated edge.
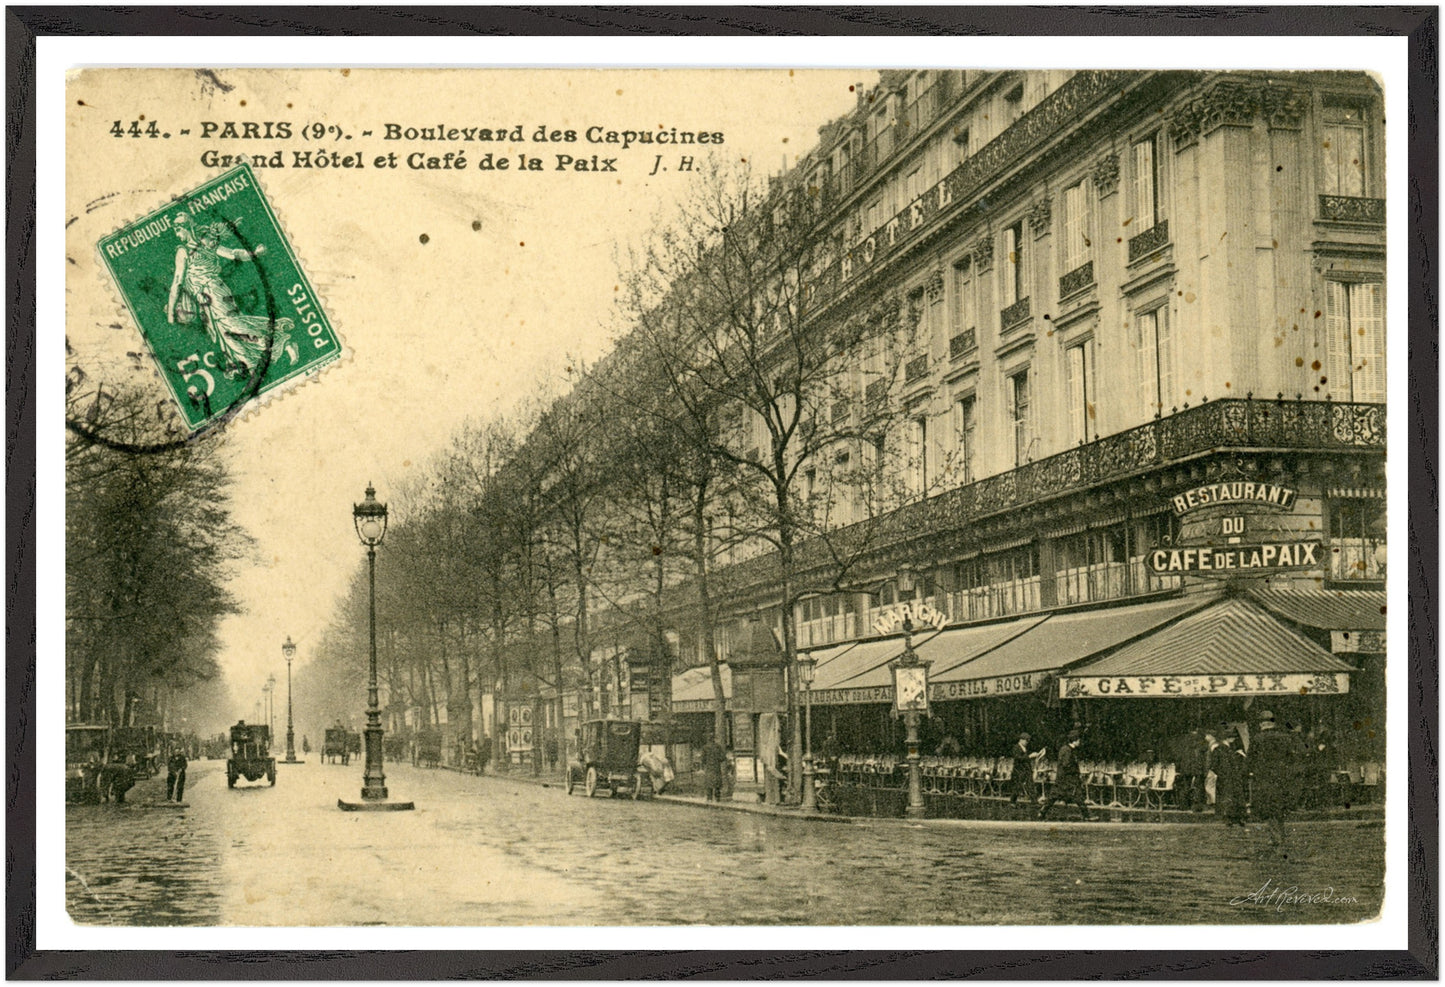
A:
(274, 390)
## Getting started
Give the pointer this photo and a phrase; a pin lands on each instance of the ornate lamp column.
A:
(910, 698)
(369, 517)
(807, 665)
(289, 650)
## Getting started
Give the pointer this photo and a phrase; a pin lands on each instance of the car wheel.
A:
(591, 781)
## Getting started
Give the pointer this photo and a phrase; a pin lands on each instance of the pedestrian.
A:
(1191, 754)
(713, 760)
(176, 776)
(550, 746)
(1021, 778)
(484, 754)
(1274, 761)
(1227, 762)
(1068, 779)
(305, 745)
(116, 778)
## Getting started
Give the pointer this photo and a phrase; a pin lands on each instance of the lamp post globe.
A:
(807, 665)
(369, 518)
(289, 651)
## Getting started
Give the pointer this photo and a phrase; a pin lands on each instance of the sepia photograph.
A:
(923, 496)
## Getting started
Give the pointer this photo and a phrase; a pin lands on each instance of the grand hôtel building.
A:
(1144, 417)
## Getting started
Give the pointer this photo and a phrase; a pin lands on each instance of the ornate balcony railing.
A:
(1076, 280)
(916, 369)
(1015, 314)
(1352, 209)
(1149, 241)
(963, 344)
(1233, 423)
(1059, 110)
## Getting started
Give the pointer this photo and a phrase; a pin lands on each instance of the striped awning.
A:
(1330, 610)
(692, 689)
(1232, 648)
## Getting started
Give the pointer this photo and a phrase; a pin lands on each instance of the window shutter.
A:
(1148, 363)
(1143, 186)
(1165, 335)
(1077, 418)
(1011, 248)
(1367, 341)
(1337, 327)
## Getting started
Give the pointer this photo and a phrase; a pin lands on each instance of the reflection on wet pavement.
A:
(490, 851)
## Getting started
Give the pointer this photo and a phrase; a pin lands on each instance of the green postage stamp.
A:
(220, 297)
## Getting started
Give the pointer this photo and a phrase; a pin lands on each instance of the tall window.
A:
(1015, 266)
(1077, 233)
(1357, 539)
(918, 456)
(1155, 346)
(1082, 426)
(1144, 188)
(963, 424)
(1355, 321)
(1017, 387)
(1344, 151)
(965, 313)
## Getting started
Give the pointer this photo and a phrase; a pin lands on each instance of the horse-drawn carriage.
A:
(336, 746)
(87, 749)
(250, 754)
(429, 748)
(607, 758)
(138, 747)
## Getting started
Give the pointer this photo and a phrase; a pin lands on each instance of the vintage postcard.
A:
(883, 496)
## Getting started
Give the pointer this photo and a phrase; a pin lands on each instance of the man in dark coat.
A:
(1226, 760)
(1274, 759)
(1068, 779)
(1021, 778)
(116, 778)
(176, 776)
(713, 760)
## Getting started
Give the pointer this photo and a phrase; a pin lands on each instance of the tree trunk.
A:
(704, 606)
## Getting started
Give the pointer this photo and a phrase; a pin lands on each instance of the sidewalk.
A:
(992, 812)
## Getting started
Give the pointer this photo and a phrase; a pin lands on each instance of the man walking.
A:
(1068, 780)
(176, 776)
(713, 759)
(1274, 760)
(1230, 773)
(1021, 778)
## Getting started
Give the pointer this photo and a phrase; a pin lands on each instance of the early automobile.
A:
(250, 754)
(87, 748)
(607, 758)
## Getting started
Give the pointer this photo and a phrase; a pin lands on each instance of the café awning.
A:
(1232, 648)
(1019, 664)
(1330, 610)
(692, 689)
(858, 672)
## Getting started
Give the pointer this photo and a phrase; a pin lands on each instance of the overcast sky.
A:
(516, 276)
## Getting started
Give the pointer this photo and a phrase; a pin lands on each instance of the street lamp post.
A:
(369, 516)
(910, 698)
(807, 665)
(289, 650)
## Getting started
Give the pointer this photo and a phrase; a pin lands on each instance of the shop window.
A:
(1154, 342)
(1357, 539)
(996, 585)
(1355, 321)
(1093, 565)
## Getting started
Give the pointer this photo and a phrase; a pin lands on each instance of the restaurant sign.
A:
(920, 614)
(998, 685)
(1232, 559)
(1252, 684)
(1234, 495)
